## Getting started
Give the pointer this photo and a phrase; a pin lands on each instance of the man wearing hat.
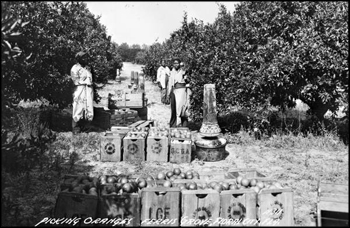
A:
(83, 93)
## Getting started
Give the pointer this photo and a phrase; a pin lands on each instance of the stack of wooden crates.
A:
(115, 146)
(173, 207)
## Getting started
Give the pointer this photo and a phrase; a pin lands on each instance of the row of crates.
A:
(160, 206)
(116, 146)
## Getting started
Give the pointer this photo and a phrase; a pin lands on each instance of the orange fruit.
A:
(239, 179)
(218, 188)
(189, 176)
(233, 187)
(245, 182)
(142, 184)
(167, 184)
(124, 180)
(225, 186)
(161, 176)
(193, 186)
(256, 189)
(127, 187)
(212, 184)
(177, 171)
(169, 174)
(260, 184)
(253, 182)
(189, 173)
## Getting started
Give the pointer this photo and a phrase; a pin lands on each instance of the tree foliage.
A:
(133, 53)
(266, 53)
(56, 32)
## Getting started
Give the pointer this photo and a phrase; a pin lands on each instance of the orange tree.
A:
(152, 58)
(267, 53)
(57, 30)
(293, 50)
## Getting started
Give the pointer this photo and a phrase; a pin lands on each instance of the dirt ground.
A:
(297, 168)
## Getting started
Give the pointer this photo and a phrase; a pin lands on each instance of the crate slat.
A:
(111, 147)
(200, 205)
(160, 203)
(126, 207)
(276, 207)
(134, 149)
(239, 206)
(180, 151)
(136, 124)
(157, 148)
(147, 123)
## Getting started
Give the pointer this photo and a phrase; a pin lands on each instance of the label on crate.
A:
(110, 148)
(179, 151)
(156, 147)
(133, 148)
(236, 211)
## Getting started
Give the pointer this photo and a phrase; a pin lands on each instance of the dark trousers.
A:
(79, 126)
(184, 121)
(173, 110)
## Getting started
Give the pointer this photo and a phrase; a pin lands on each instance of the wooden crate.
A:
(157, 148)
(125, 206)
(130, 100)
(244, 172)
(276, 207)
(76, 205)
(238, 208)
(160, 203)
(136, 124)
(120, 129)
(148, 123)
(134, 148)
(212, 175)
(200, 205)
(111, 147)
(332, 204)
(180, 151)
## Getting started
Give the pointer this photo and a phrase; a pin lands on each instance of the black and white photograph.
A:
(174, 113)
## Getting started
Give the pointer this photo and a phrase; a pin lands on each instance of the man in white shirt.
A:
(163, 74)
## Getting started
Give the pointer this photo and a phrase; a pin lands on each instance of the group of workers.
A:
(175, 90)
(174, 84)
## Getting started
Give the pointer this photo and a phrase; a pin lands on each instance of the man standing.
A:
(179, 96)
(83, 93)
(163, 73)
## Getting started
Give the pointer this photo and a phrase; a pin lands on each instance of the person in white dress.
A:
(179, 93)
(83, 95)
